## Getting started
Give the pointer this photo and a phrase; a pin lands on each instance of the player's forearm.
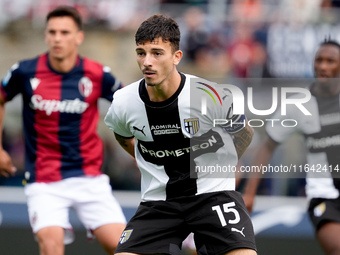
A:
(262, 157)
(127, 144)
(242, 140)
(6, 167)
(2, 115)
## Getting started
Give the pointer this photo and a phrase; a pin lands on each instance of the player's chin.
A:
(58, 57)
(56, 53)
(323, 80)
(150, 82)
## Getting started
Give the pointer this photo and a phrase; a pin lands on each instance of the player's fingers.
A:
(10, 171)
(4, 173)
(248, 203)
(6, 167)
(250, 208)
(13, 170)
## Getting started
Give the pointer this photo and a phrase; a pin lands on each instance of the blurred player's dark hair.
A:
(330, 41)
(66, 11)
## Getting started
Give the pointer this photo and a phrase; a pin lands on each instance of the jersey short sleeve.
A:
(217, 99)
(115, 118)
(275, 128)
(280, 126)
(234, 122)
(110, 84)
(11, 83)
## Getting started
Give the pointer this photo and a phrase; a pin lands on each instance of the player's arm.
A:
(261, 157)
(110, 84)
(127, 144)
(6, 166)
(242, 139)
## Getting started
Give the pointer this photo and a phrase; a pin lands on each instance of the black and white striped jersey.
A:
(177, 147)
(322, 140)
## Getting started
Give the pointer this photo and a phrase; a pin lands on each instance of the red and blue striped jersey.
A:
(60, 116)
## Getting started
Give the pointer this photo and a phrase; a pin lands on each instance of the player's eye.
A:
(318, 60)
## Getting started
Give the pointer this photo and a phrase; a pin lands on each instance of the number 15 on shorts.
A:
(227, 208)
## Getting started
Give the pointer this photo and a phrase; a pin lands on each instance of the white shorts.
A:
(90, 197)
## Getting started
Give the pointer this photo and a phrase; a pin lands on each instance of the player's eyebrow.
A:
(152, 49)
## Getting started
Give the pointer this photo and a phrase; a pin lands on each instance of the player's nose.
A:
(147, 60)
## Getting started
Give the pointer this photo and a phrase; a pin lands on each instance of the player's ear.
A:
(45, 36)
(177, 57)
(80, 37)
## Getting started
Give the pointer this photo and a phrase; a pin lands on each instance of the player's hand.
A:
(249, 202)
(6, 167)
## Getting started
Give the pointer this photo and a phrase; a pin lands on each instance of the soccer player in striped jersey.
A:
(158, 121)
(322, 139)
(64, 153)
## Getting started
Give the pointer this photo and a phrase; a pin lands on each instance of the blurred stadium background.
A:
(258, 43)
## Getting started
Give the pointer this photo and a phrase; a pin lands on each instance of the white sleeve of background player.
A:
(115, 121)
(276, 127)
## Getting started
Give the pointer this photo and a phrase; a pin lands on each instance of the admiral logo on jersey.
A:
(165, 129)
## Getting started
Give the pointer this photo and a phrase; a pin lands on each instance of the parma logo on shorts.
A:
(319, 209)
(192, 125)
(125, 236)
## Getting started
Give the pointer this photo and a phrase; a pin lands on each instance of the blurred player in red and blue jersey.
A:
(64, 153)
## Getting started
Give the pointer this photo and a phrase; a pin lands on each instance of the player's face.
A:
(157, 61)
(327, 63)
(63, 38)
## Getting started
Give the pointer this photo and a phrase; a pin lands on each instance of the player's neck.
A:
(64, 65)
(166, 88)
(326, 91)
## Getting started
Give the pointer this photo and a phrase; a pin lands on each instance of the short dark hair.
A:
(159, 25)
(329, 41)
(66, 11)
